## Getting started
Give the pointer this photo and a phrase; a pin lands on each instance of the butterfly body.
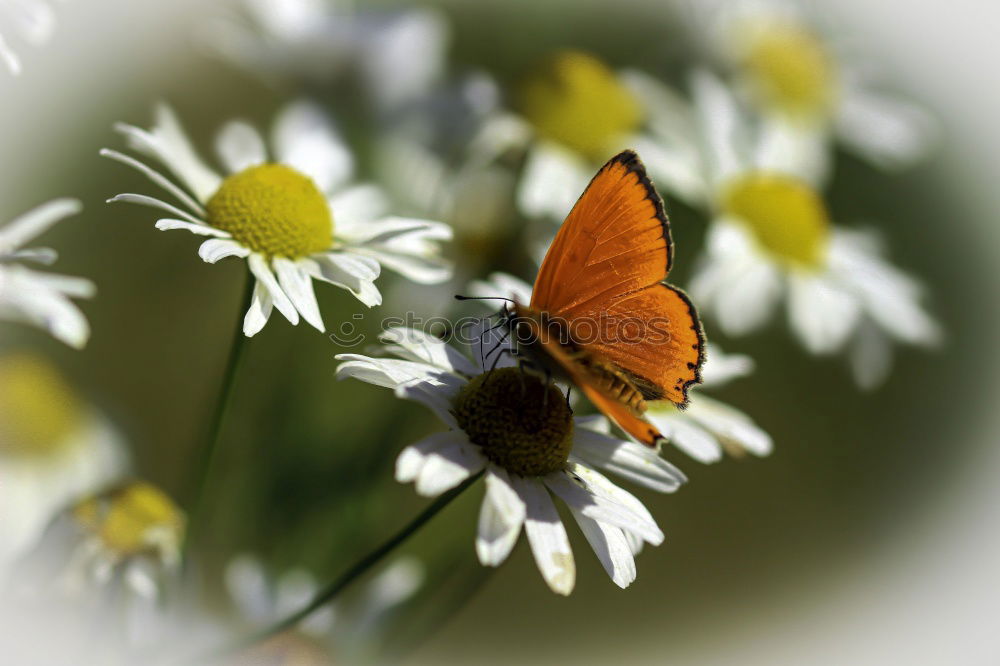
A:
(601, 316)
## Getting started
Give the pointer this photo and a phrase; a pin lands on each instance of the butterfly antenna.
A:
(459, 297)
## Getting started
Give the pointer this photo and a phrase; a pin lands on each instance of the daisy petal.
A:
(610, 546)
(417, 265)
(240, 146)
(353, 208)
(821, 313)
(870, 355)
(261, 271)
(259, 312)
(297, 284)
(635, 462)
(450, 462)
(36, 221)
(599, 485)
(304, 138)
(602, 508)
(143, 200)
(551, 181)
(685, 435)
(393, 373)
(734, 428)
(419, 346)
(166, 224)
(500, 518)
(501, 284)
(156, 177)
(215, 249)
(720, 368)
(547, 535)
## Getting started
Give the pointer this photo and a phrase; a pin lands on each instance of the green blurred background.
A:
(304, 475)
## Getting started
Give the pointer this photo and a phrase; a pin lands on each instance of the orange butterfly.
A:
(600, 315)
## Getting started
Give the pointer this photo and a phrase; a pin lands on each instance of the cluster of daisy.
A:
(749, 143)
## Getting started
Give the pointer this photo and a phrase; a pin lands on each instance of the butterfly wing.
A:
(604, 271)
(610, 405)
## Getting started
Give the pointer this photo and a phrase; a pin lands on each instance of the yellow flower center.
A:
(791, 71)
(38, 411)
(785, 215)
(520, 423)
(274, 210)
(133, 519)
(576, 100)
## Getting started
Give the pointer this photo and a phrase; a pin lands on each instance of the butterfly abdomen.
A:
(617, 385)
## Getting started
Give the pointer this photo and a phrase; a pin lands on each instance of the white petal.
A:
(9, 58)
(503, 285)
(720, 368)
(156, 177)
(887, 131)
(551, 181)
(259, 312)
(610, 546)
(36, 299)
(419, 346)
(415, 266)
(686, 435)
(602, 508)
(169, 144)
(449, 465)
(412, 459)
(304, 138)
(797, 148)
(297, 284)
(437, 399)
(820, 312)
(722, 126)
(599, 485)
(240, 146)
(405, 58)
(736, 430)
(547, 536)
(346, 271)
(356, 206)
(246, 584)
(870, 355)
(500, 518)
(385, 230)
(166, 224)
(393, 373)
(258, 266)
(152, 202)
(35, 222)
(635, 462)
(215, 249)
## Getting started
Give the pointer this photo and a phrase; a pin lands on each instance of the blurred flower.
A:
(293, 220)
(329, 630)
(807, 88)
(34, 21)
(706, 427)
(574, 112)
(54, 447)
(33, 297)
(438, 161)
(133, 530)
(771, 235)
(398, 55)
(521, 432)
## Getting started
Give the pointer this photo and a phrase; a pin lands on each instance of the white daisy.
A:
(808, 88)
(294, 219)
(573, 113)
(33, 297)
(54, 447)
(132, 532)
(262, 601)
(33, 21)
(521, 434)
(771, 237)
(398, 56)
(707, 426)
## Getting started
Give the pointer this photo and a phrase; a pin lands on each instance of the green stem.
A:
(210, 448)
(330, 592)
